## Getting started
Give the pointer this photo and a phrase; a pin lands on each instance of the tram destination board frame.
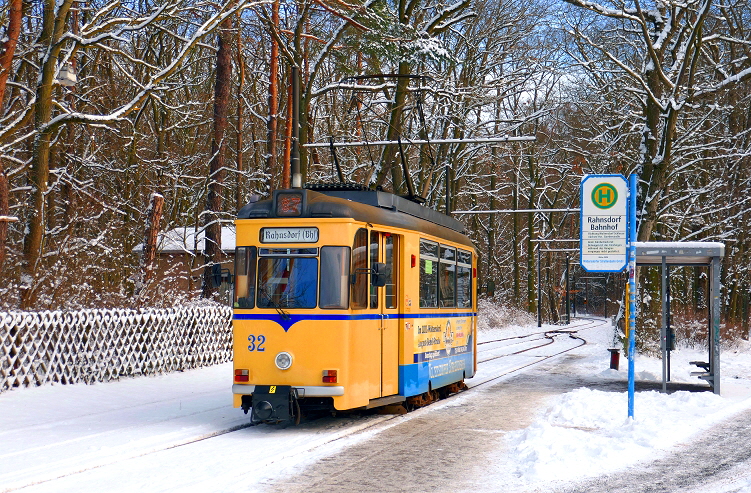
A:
(604, 227)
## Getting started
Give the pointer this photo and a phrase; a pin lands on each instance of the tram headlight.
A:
(283, 360)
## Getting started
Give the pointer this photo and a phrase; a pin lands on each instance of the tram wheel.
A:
(298, 413)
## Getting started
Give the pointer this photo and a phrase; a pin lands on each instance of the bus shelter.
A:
(697, 254)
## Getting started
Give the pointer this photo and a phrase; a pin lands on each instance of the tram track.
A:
(547, 338)
(550, 335)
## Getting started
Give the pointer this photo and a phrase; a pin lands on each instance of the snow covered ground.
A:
(586, 433)
(179, 432)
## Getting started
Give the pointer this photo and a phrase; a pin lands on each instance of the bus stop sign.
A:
(603, 200)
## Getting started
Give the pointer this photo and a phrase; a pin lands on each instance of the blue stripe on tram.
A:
(287, 321)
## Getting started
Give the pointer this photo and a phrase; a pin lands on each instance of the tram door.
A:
(384, 249)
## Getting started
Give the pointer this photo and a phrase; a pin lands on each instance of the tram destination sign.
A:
(289, 235)
(603, 200)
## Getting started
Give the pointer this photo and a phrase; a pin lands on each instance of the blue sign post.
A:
(633, 181)
(607, 244)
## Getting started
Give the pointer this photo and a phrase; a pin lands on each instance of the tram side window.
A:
(447, 277)
(360, 261)
(464, 279)
(428, 274)
(245, 277)
(334, 277)
(374, 243)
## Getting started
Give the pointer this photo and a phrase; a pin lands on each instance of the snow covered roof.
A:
(186, 239)
(678, 252)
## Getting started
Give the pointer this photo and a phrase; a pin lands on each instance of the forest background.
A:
(191, 100)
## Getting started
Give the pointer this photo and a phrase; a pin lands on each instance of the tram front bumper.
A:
(302, 391)
(273, 404)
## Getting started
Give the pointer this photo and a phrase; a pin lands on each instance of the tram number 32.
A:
(256, 342)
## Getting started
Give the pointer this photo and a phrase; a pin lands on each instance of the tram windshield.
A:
(289, 277)
(287, 282)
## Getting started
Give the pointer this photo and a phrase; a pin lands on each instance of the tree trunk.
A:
(213, 226)
(389, 154)
(53, 22)
(15, 16)
(4, 214)
(6, 62)
(240, 166)
(273, 100)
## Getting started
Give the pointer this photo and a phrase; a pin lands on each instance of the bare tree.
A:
(109, 35)
(213, 224)
(672, 59)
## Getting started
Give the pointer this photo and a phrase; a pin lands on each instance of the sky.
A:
(179, 431)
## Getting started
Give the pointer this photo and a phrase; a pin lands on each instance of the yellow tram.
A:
(349, 298)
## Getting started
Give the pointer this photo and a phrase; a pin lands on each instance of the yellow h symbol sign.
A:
(604, 195)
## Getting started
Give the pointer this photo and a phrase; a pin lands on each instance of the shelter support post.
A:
(664, 325)
(714, 335)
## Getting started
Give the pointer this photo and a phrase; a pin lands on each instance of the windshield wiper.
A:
(277, 307)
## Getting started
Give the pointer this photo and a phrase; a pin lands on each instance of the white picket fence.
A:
(89, 346)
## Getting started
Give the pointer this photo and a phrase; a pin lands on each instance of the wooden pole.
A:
(153, 219)
(4, 215)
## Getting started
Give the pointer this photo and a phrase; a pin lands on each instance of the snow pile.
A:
(508, 319)
(585, 433)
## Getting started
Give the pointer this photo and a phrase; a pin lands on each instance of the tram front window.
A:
(334, 277)
(245, 276)
(287, 282)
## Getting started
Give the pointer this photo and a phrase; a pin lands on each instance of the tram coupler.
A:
(274, 404)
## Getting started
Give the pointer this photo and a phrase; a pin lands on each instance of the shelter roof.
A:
(678, 252)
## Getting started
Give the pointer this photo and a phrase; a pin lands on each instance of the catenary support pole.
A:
(539, 290)
(296, 172)
(664, 328)
(568, 287)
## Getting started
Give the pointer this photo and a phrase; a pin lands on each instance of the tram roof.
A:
(371, 206)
